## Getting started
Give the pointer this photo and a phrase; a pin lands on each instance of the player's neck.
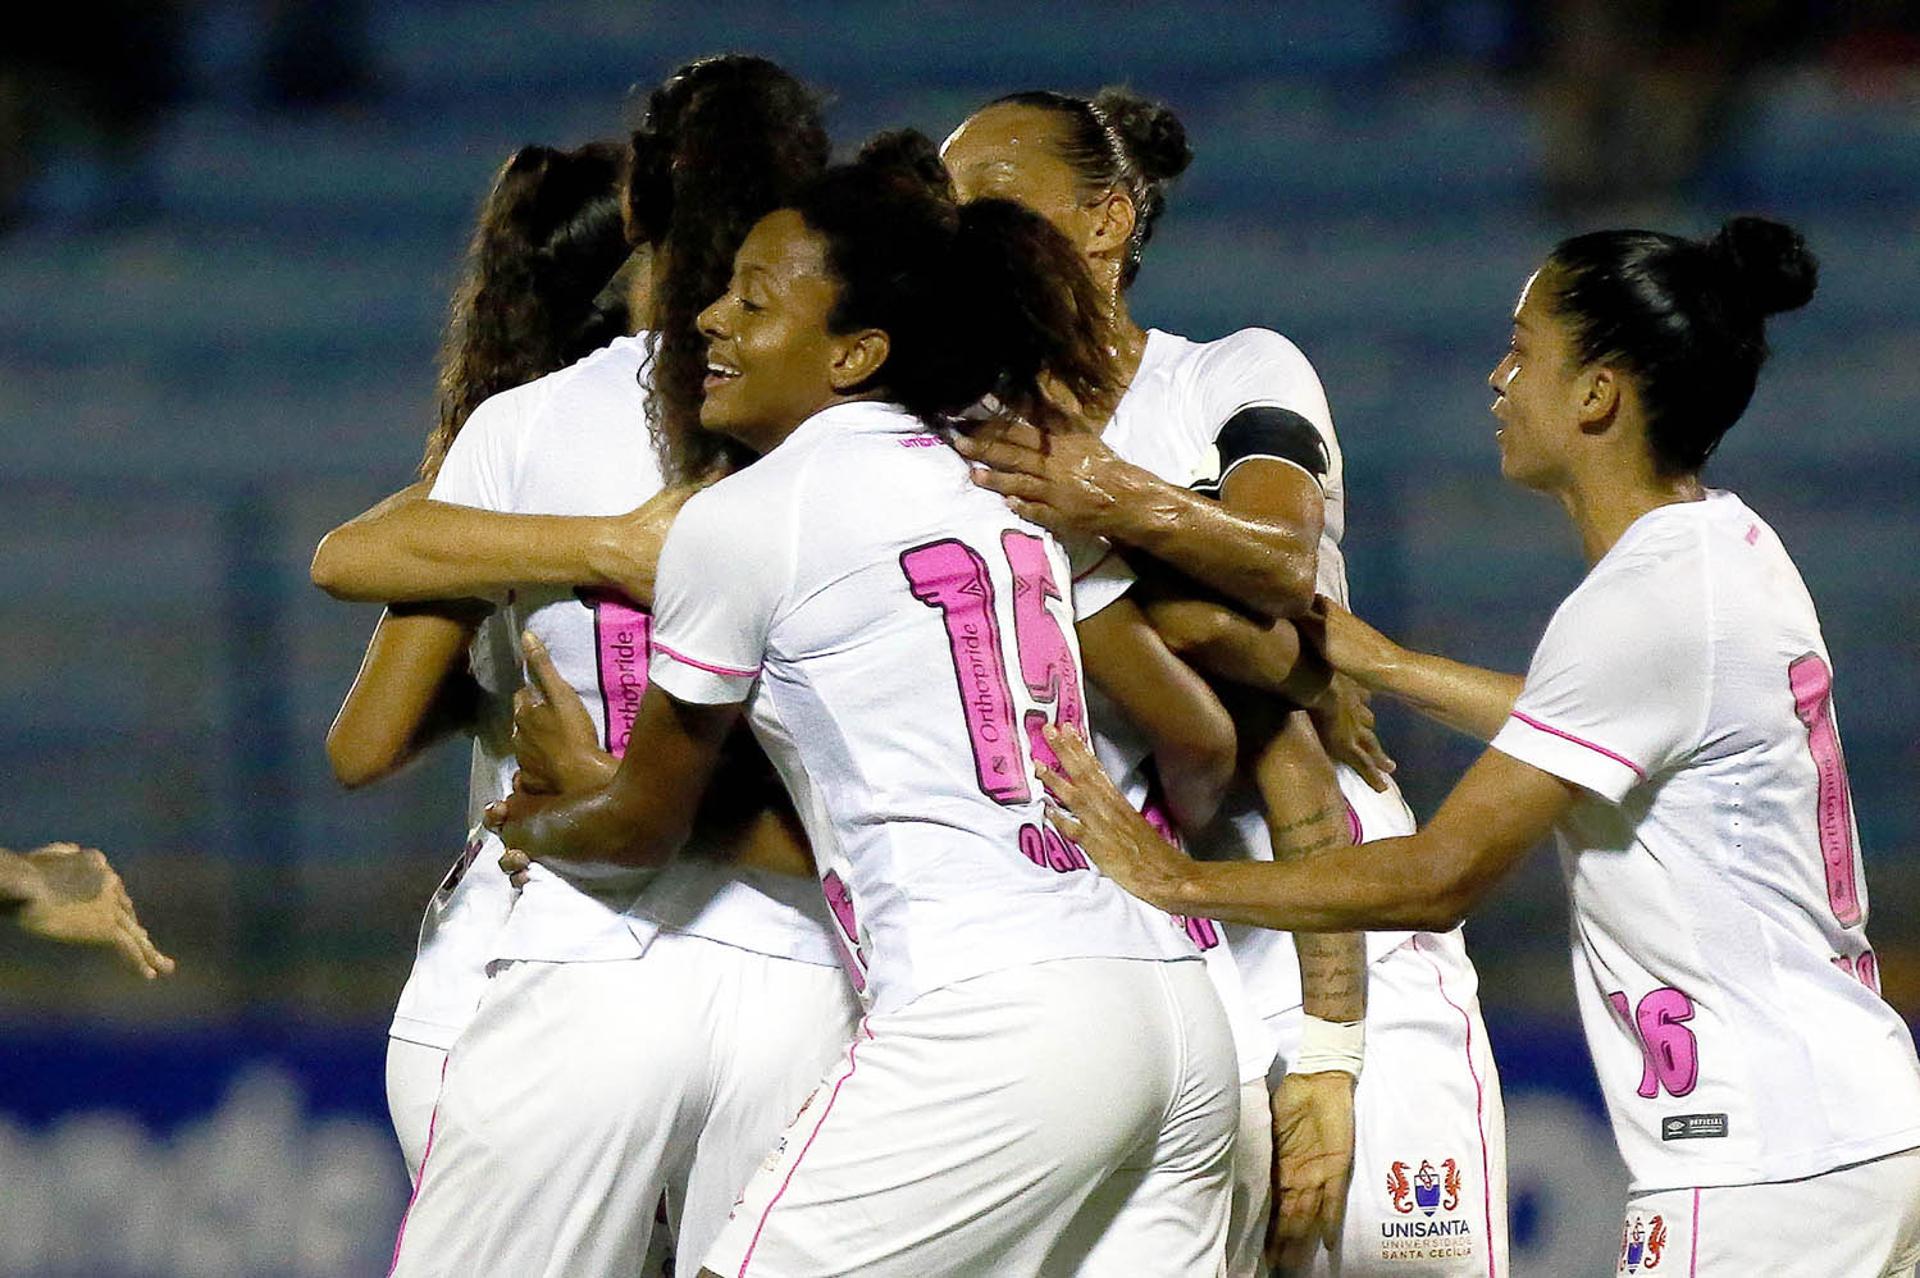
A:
(1603, 507)
(1129, 339)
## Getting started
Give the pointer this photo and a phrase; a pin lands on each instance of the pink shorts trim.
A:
(852, 1065)
(1479, 1106)
(1693, 1247)
(1620, 759)
(685, 660)
(433, 1121)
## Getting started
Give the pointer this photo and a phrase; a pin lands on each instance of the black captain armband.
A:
(1274, 434)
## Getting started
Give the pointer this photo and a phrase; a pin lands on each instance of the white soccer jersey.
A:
(1184, 418)
(901, 637)
(575, 443)
(1724, 975)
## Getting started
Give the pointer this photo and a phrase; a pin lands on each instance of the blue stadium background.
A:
(215, 348)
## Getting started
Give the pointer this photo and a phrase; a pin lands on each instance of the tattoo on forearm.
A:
(1333, 974)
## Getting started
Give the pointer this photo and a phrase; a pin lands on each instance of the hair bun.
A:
(1154, 138)
(1772, 263)
(910, 156)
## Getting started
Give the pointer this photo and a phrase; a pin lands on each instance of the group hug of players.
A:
(1082, 930)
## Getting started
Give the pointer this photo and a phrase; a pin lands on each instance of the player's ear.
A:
(1598, 392)
(857, 357)
(1113, 219)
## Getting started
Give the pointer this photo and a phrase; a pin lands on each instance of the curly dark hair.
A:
(534, 294)
(980, 299)
(725, 141)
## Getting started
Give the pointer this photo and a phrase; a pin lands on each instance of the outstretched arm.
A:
(411, 549)
(1426, 881)
(1466, 698)
(643, 815)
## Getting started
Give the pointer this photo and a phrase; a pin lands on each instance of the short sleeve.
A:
(1618, 689)
(481, 464)
(1258, 368)
(1100, 577)
(722, 576)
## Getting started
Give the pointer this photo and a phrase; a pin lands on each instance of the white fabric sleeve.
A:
(1100, 576)
(1619, 687)
(1256, 367)
(484, 458)
(723, 573)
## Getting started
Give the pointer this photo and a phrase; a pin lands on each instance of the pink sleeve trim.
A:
(685, 660)
(1620, 759)
(1096, 566)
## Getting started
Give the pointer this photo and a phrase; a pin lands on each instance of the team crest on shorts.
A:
(1642, 1242)
(1429, 1194)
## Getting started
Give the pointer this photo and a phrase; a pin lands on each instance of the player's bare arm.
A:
(1465, 698)
(413, 690)
(1073, 483)
(1428, 881)
(64, 892)
(558, 750)
(643, 815)
(411, 549)
(1194, 746)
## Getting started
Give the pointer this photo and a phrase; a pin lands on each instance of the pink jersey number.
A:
(1046, 662)
(1812, 685)
(951, 576)
(1670, 1054)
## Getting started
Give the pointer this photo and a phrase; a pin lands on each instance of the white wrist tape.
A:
(1330, 1045)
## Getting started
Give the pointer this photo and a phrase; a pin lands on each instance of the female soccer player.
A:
(1676, 731)
(1244, 420)
(537, 296)
(633, 1034)
(1045, 1081)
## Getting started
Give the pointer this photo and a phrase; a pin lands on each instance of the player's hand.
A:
(1097, 817)
(554, 739)
(71, 894)
(1313, 1162)
(627, 556)
(517, 819)
(1344, 720)
(1067, 481)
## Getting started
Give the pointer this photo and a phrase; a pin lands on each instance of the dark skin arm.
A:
(410, 549)
(413, 689)
(1427, 881)
(644, 814)
(1073, 483)
(1192, 736)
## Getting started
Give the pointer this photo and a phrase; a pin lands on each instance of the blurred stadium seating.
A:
(193, 398)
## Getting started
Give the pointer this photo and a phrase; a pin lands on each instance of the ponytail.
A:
(532, 300)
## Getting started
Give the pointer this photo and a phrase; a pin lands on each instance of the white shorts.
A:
(1429, 1192)
(1858, 1222)
(413, 1088)
(1252, 1201)
(1071, 1117)
(583, 1091)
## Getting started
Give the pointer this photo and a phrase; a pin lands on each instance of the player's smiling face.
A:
(770, 358)
(1536, 392)
(1010, 152)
